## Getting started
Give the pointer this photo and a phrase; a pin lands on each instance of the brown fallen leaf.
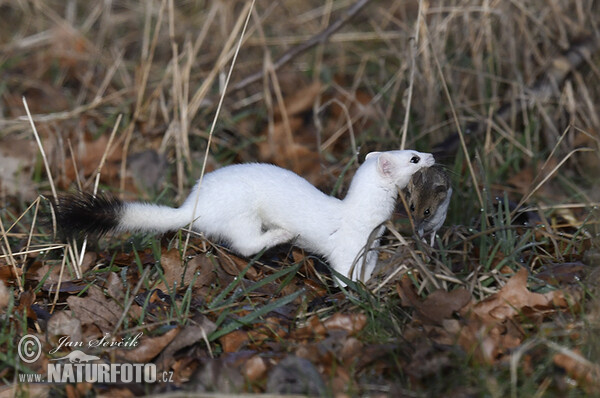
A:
(26, 299)
(580, 369)
(438, 306)
(200, 270)
(509, 301)
(115, 287)
(301, 101)
(291, 142)
(560, 274)
(193, 332)
(254, 369)
(351, 323)
(96, 309)
(233, 265)
(351, 349)
(172, 266)
(492, 326)
(7, 273)
(232, 342)
(5, 295)
(88, 155)
(61, 324)
(148, 349)
(314, 328)
(17, 161)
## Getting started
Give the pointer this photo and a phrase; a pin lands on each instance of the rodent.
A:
(429, 192)
(257, 206)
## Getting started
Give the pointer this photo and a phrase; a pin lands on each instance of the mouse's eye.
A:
(426, 212)
(412, 207)
(415, 159)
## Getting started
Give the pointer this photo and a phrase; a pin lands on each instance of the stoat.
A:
(258, 206)
(429, 193)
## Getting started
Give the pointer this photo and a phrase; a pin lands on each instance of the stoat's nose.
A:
(430, 161)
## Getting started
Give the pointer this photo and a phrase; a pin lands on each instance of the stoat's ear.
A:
(386, 165)
(371, 154)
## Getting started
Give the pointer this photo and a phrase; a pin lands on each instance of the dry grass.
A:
(507, 94)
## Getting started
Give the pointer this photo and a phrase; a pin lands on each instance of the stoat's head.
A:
(397, 167)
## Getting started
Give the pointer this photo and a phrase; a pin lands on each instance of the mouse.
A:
(429, 192)
(256, 206)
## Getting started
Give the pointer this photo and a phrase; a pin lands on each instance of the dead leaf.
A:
(88, 155)
(115, 286)
(232, 342)
(291, 143)
(195, 331)
(148, 349)
(17, 161)
(510, 300)
(528, 177)
(351, 323)
(351, 350)
(580, 369)
(89, 260)
(61, 324)
(301, 101)
(440, 304)
(96, 309)
(7, 272)
(5, 295)
(233, 265)
(200, 271)
(26, 299)
(491, 328)
(255, 368)
(314, 327)
(560, 274)
(51, 273)
(172, 266)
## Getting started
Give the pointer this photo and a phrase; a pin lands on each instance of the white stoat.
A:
(258, 206)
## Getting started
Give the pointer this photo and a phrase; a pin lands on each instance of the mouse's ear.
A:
(441, 190)
(417, 178)
(371, 154)
(386, 165)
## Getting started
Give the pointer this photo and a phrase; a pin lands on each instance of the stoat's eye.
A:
(426, 212)
(412, 207)
(415, 159)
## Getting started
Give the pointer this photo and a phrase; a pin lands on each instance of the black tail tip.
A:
(83, 213)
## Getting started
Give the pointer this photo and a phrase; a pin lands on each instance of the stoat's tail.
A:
(85, 214)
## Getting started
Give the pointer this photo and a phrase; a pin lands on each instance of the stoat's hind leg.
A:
(250, 239)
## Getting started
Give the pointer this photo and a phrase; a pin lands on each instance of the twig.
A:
(414, 41)
(293, 52)
(39, 142)
(11, 258)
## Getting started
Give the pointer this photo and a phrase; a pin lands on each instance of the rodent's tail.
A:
(83, 213)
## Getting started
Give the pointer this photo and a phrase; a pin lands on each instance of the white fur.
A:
(258, 206)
